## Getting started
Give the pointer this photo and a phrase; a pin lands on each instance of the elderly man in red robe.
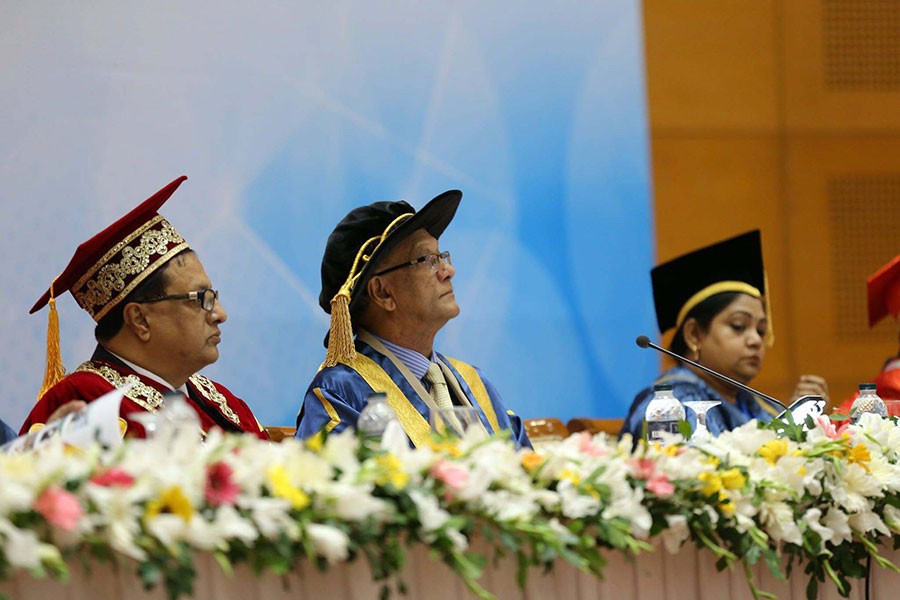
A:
(158, 322)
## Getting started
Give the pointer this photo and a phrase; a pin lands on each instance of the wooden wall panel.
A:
(814, 162)
(784, 115)
(711, 64)
(842, 65)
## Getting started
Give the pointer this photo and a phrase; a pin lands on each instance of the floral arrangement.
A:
(827, 499)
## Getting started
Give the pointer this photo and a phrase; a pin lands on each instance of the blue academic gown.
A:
(338, 394)
(6, 433)
(688, 386)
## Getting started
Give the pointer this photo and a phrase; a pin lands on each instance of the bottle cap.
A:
(662, 387)
(866, 387)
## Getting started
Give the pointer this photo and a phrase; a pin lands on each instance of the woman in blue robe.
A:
(715, 299)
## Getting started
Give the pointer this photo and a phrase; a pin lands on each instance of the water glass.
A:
(455, 421)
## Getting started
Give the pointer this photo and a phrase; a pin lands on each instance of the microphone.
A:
(644, 342)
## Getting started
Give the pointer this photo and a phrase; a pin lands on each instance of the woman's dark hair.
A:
(703, 313)
(153, 286)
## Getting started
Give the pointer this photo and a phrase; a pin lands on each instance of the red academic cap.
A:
(107, 267)
(884, 292)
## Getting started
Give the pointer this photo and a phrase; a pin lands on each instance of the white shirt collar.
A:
(149, 375)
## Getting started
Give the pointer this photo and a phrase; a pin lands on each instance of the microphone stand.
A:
(644, 342)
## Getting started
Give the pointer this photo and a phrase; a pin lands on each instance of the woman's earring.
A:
(695, 350)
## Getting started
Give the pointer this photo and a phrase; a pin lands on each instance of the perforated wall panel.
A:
(864, 213)
(862, 45)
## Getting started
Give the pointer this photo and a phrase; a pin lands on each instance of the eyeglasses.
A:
(206, 298)
(433, 260)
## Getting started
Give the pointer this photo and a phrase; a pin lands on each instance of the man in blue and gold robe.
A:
(386, 283)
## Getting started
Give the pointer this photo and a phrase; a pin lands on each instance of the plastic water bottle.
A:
(868, 401)
(374, 418)
(663, 413)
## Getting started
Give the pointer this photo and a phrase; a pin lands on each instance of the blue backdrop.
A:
(287, 115)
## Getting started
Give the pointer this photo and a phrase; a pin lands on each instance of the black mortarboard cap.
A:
(732, 265)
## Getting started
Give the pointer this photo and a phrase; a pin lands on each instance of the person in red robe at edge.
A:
(158, 323)
(883, 291)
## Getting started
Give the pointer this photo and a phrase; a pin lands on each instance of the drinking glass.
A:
(700, 408)
(456, 420)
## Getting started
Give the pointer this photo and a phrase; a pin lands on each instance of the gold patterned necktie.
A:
(439, 392)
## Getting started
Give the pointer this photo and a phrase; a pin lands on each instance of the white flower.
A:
(574, 504)
(271, 516)
(867, 521)
(329, 542)
(431, 516)
(853, 491)
(838, 523)
(812, 519)
(892, 518)
(228, 524)
(168, 528)
(778, 519)
(23, 548)
(676, 533)
(459, 541)
(351, 502)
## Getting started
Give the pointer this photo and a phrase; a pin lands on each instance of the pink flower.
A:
(453, 476)
(828, 427)
(59, 508)
(220, 487)
(660, 485)
(113, 477)
(587, 445)
(642, 468)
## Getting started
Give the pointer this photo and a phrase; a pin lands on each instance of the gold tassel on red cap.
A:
(55, 369)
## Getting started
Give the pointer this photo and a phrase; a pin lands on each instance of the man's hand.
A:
(810, 385)
(66, 409)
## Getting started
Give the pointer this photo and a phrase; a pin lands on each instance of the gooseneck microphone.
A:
(644, 342)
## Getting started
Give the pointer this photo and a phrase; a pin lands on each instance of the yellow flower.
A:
(773, 450)
(531, 461)
(391, 471)
(172, 501)
(315, 442)
(712, 460)
(570, 475)
(859, 454)
(445, 447)
(726, 505)
(713, 482)
(671, 450)
(733, 479)
(283, 488)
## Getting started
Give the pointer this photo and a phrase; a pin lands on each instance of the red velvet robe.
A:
(887, 382)
(214, 404)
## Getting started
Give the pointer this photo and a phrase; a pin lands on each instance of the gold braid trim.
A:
(145, 396)
(208, 389)
(126, 265)
(710, 291)
(340, 337)
(414, 424)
